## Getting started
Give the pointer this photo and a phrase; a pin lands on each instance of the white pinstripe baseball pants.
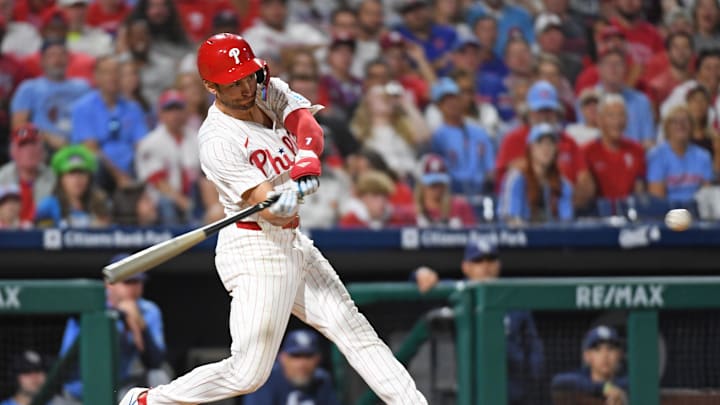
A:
(272, 273)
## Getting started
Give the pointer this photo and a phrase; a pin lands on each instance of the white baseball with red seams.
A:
(275, 271)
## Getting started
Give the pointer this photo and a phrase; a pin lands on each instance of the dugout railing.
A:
(479, 311)
(86, 298)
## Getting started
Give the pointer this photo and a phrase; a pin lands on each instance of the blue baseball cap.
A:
(542, 95)
(480, 248)
(540, 130)
(302, 342)
(466, 40)
(445, 86)
(601, 334)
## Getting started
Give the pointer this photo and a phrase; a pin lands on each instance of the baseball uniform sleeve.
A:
(282, 100)
(227, 165)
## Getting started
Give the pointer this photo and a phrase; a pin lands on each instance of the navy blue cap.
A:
(28, 361)
(301, 342)
(120, 256)
(601, 334)
(466, 40)
(479, 248)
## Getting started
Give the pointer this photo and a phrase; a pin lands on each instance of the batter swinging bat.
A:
(154, 255)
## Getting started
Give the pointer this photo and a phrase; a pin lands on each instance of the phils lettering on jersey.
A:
(277, 161)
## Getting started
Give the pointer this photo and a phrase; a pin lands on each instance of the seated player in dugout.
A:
(525, 352)
(296, 377)
(600, 377)
(28, 368)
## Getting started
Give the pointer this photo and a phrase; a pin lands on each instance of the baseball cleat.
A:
(136, 396)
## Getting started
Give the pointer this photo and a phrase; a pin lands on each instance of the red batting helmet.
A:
(226, 58)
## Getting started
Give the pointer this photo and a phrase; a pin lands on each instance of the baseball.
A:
(678, 219)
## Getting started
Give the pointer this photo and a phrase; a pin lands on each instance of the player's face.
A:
(299, 369)
(612, 121)
(603, 359)
(30, 383)
(485, 268)
(75, 183)
(239, 95)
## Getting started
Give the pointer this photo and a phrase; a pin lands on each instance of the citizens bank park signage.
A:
(56, 239)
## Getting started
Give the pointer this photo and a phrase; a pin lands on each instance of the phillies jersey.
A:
(615, 171)
(238, 155)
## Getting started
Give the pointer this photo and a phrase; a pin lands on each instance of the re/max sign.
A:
(10, 297)
(609, 296)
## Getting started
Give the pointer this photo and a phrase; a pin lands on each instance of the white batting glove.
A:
(308, 185)
(286, 205)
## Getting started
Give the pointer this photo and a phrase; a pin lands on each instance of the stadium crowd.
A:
(437, 113)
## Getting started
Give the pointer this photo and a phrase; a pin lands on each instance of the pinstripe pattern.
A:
(273, 273)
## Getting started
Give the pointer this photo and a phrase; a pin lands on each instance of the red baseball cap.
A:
(392, 39)
(53, 15)
(171, 98)
(610, 30)
(25, 133)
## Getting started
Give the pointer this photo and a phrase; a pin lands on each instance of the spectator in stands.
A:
(450, 13)
(75, 201)
(551, 40)
(544, 107)
(704, 134)
(131, 89)
(343, 88)
(323, 208)
(107, 15)
(164, 25)
(573, 27)
(616, 163)
(537, 192)
(271, 35)
(525, 353)
(28, 171)
(435, 204)
(706, 14)
(157, 71)
(191, 86)
(12, 73)
(81, 37)
(200, 18)
(109, 125)
(20, 38)
(47, 100)
(369, 160)
(31, 11)
(677, 168)
(167, 160)
(388, 122)
(370, 25)
(371, 208)
(549, 68)
(343, 24)
(640, 123)
(588, 130)
(28, 368)
(643, 37)
(510, 19)
(707, 75)
(418, 27)
(408, 66)
(10, 208)
(490, 81)
(140, 335)
(600, 376)
(680, 56)
(133, 206)
(56, 27)
(296, 377)
(467, 149)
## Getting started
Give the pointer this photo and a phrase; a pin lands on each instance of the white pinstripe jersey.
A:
(238, 155)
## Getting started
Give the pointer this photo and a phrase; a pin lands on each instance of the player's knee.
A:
(249, 374)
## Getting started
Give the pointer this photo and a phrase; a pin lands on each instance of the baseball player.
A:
(260, 139)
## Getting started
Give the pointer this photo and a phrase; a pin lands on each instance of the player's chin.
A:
(242, 104)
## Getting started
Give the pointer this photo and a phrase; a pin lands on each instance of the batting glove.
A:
(306, 164)
(286, 205)
(308, 185)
